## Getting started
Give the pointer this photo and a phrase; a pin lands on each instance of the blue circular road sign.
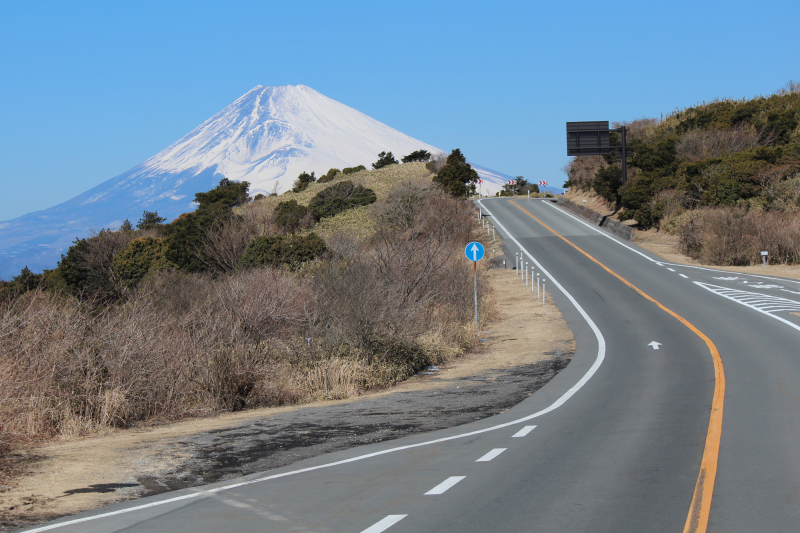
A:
(474, 251)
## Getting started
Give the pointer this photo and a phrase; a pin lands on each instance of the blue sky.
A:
(90, 89)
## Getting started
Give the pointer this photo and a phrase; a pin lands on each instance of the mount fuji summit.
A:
(267, 137)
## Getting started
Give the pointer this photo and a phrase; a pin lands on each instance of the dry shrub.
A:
(582, 170)
(178, 345)
(729, 236)
(700, 144)
(781, 186)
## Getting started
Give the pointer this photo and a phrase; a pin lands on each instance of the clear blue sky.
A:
(90, 89)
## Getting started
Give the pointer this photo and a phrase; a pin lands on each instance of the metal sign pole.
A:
(475, 271)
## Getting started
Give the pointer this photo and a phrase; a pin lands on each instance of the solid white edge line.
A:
(754, 308)
(491, 455)
(601, 232)
(444, 486)
(523, 432)
(661, 263)
(601, 355)
(385, 524)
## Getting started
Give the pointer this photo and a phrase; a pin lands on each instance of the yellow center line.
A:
(700, 509)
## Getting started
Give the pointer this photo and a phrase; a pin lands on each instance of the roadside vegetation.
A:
(354, 282)
(723, 176)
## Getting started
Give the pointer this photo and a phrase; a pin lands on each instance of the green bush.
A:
(290, 215)
(140, 257)
(352, 170)
(340, 197)
(185, 235)
(331, 174)
(417, 155)
(282, 250)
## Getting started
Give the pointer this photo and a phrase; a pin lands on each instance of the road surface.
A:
(680, 409)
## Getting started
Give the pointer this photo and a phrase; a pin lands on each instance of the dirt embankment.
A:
(666, 246)
(513, 362)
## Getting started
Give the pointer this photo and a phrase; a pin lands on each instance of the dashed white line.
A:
(601, 355)
(444, 485)
(684, 276)
(671, 269)
(385, 524)
(524, 431)
(491, 455)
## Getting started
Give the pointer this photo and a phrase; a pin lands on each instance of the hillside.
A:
(726, 152)
(723, 176)
(265, 137)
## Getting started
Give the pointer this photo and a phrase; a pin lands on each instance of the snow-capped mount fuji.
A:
(267, 137)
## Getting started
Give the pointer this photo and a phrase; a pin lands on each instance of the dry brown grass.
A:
(389, 299)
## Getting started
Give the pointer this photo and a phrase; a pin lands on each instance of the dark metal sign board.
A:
(588, 138)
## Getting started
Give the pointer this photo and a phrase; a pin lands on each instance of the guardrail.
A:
(611, 224)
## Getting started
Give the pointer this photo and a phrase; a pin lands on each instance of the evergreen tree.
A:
(417, 155)
(457, 177)
(184, 236)
(126, 225)
(384, 160)
(150, 219)
(303, 181)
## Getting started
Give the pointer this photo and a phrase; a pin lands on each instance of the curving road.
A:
(623, 440)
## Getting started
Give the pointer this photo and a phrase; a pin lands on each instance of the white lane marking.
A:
(655, 345)
(671, 269)
(442, 487)
(609, 236)
(524, 431)
(763, 303)
(684, 276)
(491, 455)
(601, 355)
(385, 524)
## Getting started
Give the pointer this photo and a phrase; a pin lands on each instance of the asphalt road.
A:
(620, 434)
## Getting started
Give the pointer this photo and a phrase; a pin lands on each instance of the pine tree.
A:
(457, 177)
(384, 160)
(417, 155)
(126, 225)
(150, 219)
(303, 181)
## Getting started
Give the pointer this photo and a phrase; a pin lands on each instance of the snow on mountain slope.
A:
(267, 137)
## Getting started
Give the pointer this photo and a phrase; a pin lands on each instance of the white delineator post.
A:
(543, 291)
(538, 292)
(493, 239)
(516, 264)
(532, 270)
(526, 273)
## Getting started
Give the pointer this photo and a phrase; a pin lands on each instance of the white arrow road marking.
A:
(491, 455)
(655, 345)
(444, 485)
(385, 524)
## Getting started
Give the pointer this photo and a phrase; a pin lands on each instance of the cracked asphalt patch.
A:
(284, 439)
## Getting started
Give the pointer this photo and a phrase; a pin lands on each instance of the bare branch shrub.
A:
(700, 144)
(582, 170)
(735, 236)
(437, 162)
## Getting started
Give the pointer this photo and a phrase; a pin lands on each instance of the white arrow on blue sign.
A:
(474, 251)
